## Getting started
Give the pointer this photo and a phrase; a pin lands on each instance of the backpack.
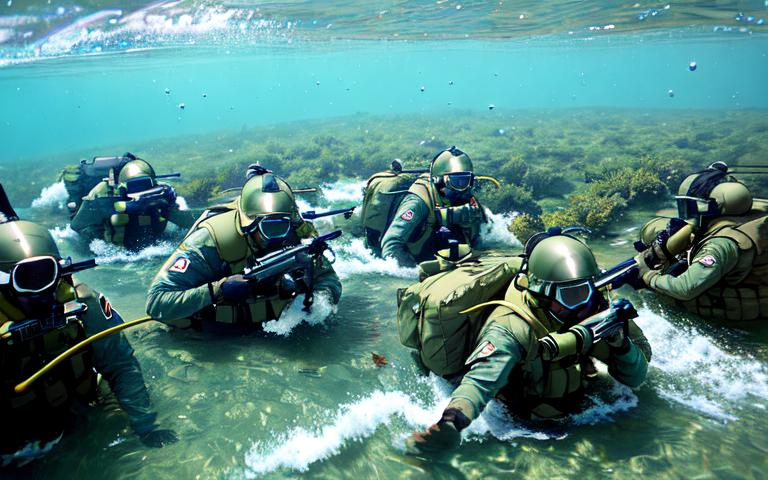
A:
(428, 313)
(381, 198)
(80, 179)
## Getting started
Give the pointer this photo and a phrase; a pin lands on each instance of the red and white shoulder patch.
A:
(708, 261)
(487, 349)
(407, 215)
(179, 265)
(106, 307)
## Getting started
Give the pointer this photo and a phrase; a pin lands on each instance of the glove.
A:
(443, 436)
(158, 437)
(618, 341)
(235, 289)
(286, 287)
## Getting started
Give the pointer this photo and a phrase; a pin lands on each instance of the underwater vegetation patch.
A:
(559, 167)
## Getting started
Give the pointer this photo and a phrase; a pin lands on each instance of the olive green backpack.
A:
(428, 313)
(381, 198)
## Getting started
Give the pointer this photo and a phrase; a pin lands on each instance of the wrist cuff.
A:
(456, 417)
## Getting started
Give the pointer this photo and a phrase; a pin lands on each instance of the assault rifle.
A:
(292, 265)
(59, 317)
(668, 243)
(601, 325)
(140, 202)
(347, 212)
(609, 321)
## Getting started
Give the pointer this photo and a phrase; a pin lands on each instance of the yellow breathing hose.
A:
(23, 386)
(490, 179)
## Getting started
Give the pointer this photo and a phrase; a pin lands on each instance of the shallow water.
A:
(330, 105)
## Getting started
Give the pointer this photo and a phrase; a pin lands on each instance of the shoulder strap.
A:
(230, 245)
(539, 329)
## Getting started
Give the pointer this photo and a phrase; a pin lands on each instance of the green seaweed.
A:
(566, 166)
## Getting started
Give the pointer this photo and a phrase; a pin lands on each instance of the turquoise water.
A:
(304, 398)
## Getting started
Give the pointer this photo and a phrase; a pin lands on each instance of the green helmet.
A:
(652, 229)
(21, 239)
(560, 259)
(450, 161)
(265, 195)
(135, 169)
(711, 193)
(563, 269)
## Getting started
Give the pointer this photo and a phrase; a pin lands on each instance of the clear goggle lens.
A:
(35, 274)
(273, 228)
(459, 181)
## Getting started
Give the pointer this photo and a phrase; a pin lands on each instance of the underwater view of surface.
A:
(563, 101)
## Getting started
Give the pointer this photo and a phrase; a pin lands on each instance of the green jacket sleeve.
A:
(186, 281)
(182, 218)
(714, 260)
(114, 360)
(496, 354)
(410, 217)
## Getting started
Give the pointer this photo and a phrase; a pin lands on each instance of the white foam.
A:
(695, 371)
(52, 196)
(182, 203)
(495, 232)
(301, 447)
(354, 259)
(344, 191)
(294, 315)
(109, 253)
(66, 233)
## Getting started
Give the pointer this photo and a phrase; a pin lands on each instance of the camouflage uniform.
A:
(413, 236)
(727, 274)
(507, 362)
(118, 216)
(187, 289)
(43, 412)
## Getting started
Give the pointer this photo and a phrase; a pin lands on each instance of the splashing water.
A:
(107, 253)
(182, 203)
(300, 448)
(495, 232)
(694, 371)
(66, 233)
(52, 196)
(344, 191)
(294, 315)
(354, 258)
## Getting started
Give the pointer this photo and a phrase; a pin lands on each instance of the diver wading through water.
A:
(127, 206)
(408, 215)
(720, 271)
(213, 281)
(523, 330)
(45, 311)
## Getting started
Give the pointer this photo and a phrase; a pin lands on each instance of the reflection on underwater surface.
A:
(571, 111)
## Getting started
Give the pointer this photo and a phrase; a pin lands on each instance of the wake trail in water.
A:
(107, 253)
(301, 447)
(692, 370)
